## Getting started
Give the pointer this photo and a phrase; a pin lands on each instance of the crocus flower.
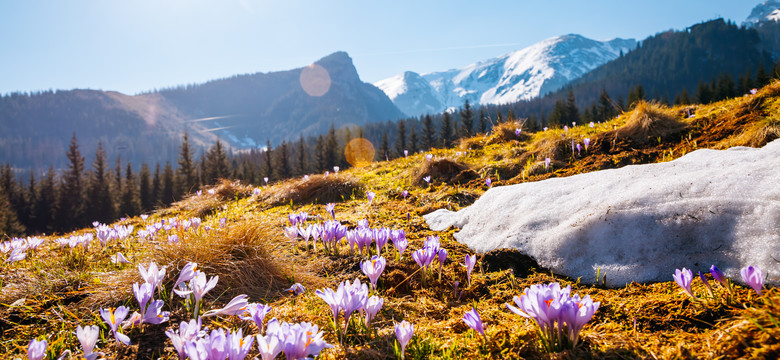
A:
(579, 149)
(154, 314)
(256, 312)
(546, 163)
(16, 255)
(216, 345)
(238, 346)
(753, 276)
(296, 289)
(470, 261)
(88, 337)
(684, 278)
(187, 273)
(706, 282)
(576, 313)
(187, 333)
(119, 258)
(336, 169)
(256, 191)
(199, 287)
(753, 91)
(373, 304)
(586, 141)
(113, 318)
(427, 179)
(428, 157)
(545, 128)
(153, 275)
(269, 346)
(291, 232)
(197, 350)
(718, 276)
(327, 173)
(333, 299)
(489, 182)
(212, 191)
(370, 196)
(36, 350)
(423, 257)
(330, 208)
(236, 306)
(592, 125)
(473, 320)
(143, 293)
(266, 180)
(406, 153)
(404, 332)
(566, 129)
(404, 194)
(373, 268)
(381, 235)
(199, 192)
(517, 132)
(301, 340)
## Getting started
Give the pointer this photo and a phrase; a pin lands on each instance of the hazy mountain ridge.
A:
(519, 75)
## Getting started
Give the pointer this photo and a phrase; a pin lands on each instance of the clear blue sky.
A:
(138, 45)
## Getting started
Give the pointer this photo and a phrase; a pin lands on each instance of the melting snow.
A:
(638, 223)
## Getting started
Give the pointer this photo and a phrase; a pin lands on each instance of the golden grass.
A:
(320, 189)
(504, 132)
(443, 170)
(648, 122)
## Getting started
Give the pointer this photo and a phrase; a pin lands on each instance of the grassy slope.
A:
(54, 290)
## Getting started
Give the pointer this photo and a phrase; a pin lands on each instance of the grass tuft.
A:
(319, 189)
(443, 170)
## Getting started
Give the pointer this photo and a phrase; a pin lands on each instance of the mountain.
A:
(520, 75)
(274, 106)
(244, 110)
(766, 11)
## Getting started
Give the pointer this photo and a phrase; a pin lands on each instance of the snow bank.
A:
(638, 223)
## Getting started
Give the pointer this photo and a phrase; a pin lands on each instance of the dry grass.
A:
(648, 122)
(206, 204)
(504, 132)
(443, 170)
(318, 189)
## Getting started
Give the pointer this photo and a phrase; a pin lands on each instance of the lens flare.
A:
(359, 152)
(315, 80)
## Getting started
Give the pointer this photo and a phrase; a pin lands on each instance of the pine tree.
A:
(704, 93)
(71, 202)
(319, 154)
(130, 206)
(482, 122)
(446, 130)
(762, 79)
(168, 194)
(429, 133)
(400, 141)
(99, 198)
(31, 197)
(606, 111)
(186, 174)
(216, 164)
(572, 112)
(384, 148)
(331, 146)
(283, 161)
(301, 156)
(9, 224)
(145, 189)
(558, 115)
(267, 165)
(45, 206)
(156, 186)
(412, 139)
(467, 120)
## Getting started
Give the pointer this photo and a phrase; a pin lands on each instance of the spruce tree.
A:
(572, 112)
(217, 166)
(99, 198)
(301, 156)
(168, 194)
(31, 198)
(762, 79)
(384, 148)
(283, 168)
(429, 133)
(466, 120)
(704, 93)
(400, 141)
(45, 206)
(268, 167)
(9, 224)
(606, 110)
(156, 186)
(186, 174)
(319, 154)
(482, 122)
(446, 130)
(331, 146)
(413, 139)
(71, 202)
(145, 188)
(130, 206)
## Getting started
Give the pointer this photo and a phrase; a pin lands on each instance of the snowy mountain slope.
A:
(766, 11)
(520, 75)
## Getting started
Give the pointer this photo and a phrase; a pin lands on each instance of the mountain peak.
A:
(766, 11)
(520, 75)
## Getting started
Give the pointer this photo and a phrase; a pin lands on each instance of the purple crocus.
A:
(88, 337)
(236, 306)
(153, 275)
(256, 313)
(442, 257)
(113, 318)
(423, 257)
(427, 179)
(187, 273)
(518, 131)
(754, 277)
(470, 261)
(718, 276)
(330, 208)
(373, 268)
(373, 304)
(269, 346)
(332, 298)
(370, 196)
(684, 278)
(143, 293)
(406, 153)
(575, 314)
(336, 169)
(266, 180)
(428, 157)
(489, 182)
(296, 289)
(404, 194)
(36, 350)
(238, 346)
(586, 141)
(706, 282)
(404, 332)
(381, 235)
(473, 320)
(579, 149)
(215, 345)
(547, 163)
(154, 314)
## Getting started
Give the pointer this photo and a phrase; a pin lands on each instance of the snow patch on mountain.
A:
(520, 75)
(766, 11)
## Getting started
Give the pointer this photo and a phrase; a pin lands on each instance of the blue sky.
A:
(139, 45)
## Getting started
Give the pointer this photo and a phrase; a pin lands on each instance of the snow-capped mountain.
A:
(520, 75)
(766, 11)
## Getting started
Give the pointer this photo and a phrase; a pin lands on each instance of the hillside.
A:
(245, 111)
(241, 239)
